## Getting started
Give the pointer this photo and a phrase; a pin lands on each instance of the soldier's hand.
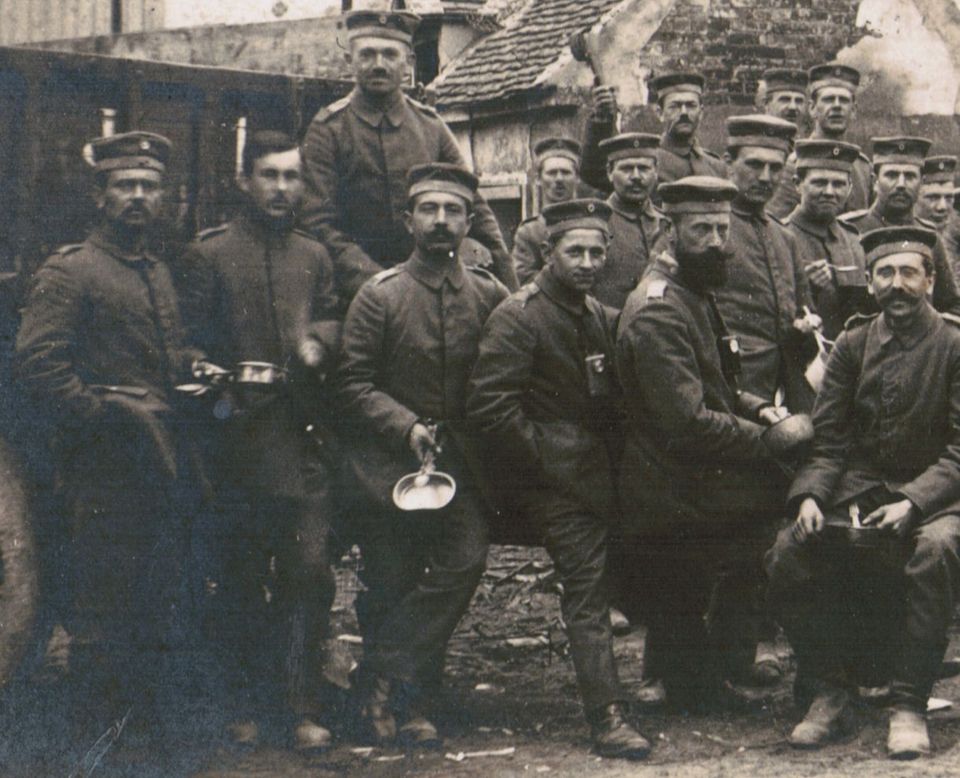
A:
(310, 352)
(771, 414)
(819, 274)
(809, 520)
(808, 323)
(422, 442)
(604, 102)
(897, 517)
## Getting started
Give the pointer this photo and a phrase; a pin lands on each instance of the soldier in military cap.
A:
(410, 338)
(358, 151)
(544, 391)
(885, 455)
(635, 223)
(832, 88)
(898, 162)
(558, 173)
(935, 203)
(782, 92)
(828, 248)
(679, 107)
(101, 348)
(766, 300)
(699, 489)
(262, 291)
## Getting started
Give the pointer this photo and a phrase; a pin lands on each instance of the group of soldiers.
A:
(639, 403)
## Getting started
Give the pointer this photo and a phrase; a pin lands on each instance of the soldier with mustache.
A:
(782, 92)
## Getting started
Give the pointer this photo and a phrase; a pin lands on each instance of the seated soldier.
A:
(887, 431)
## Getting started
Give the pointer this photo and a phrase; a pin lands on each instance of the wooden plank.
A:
(132, 15)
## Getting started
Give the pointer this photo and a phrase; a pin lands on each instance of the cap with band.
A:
(897, 240)
(760, 130)
(826, 155)
(939, 170)
(557, 147)
(833, 74)
(398, 25)
(442, 177)
(677, 82)
(697, 194)
(585, 214)
(904, 150)
(145, 150)
(784, 80)
(629, 145)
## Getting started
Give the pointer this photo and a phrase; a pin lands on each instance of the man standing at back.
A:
(935, 203)
(783, 93)
(358, 152)
(833, 103)
(558, 171)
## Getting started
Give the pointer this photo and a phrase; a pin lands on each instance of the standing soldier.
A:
(101, 348)
(635, 223)
(886, 454)
(358, 152)
(679, 108)
(699, 489)
(262, 291)
(410, 338)
(935, 204)
(898, 162)
(764, 299)
(544, 392)
(558, 171)
(833, 103)
(828, 248)
(783, 93)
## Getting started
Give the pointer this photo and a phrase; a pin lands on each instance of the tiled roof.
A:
(511, 60)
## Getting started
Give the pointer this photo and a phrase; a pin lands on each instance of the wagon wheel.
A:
(18, 567)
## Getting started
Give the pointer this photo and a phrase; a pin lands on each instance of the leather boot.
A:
(614, 737)
(376, 719)
(827, 719)
(908, 736)
(419, 732)
(310, 736)
(243, 733)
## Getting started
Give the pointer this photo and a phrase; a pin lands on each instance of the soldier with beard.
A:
(898, 162)
(833, 103)
(558, 171)
(699, 489)
(935, 203)
(679, 108)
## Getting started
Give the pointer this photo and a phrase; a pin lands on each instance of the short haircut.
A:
(411, 202)
(264, 142)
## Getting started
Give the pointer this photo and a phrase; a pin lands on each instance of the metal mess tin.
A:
(425, 490)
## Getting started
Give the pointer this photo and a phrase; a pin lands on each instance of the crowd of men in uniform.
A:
(632, 384)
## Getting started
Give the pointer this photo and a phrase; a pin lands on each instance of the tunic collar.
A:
(372, 114)
(820, 230)
(906, 219)
(630, 213)
(102, 239)
(431, 275)
(680, 149)
(569, 299)
(911, 337)
(749, 213)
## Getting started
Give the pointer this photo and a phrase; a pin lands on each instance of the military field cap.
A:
(584, 214)
(760, 130)
(399, 25)
(905, 150)
(629, 145)
(784, 80)
(833, 74)
(442, 177)
(677, 82)
(145, 150)
(897, 240)
(697, 194)
(557, 147)
(826, 155)
(939, 170)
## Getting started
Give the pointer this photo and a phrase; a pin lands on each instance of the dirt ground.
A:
(510, 686)
(510, 708)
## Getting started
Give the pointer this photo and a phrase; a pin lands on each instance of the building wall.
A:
(28, 21)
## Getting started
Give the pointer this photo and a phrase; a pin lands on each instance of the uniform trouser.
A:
(576, 540)
(277, 584)
(698, 598)
(841, 613)
(420, 569)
